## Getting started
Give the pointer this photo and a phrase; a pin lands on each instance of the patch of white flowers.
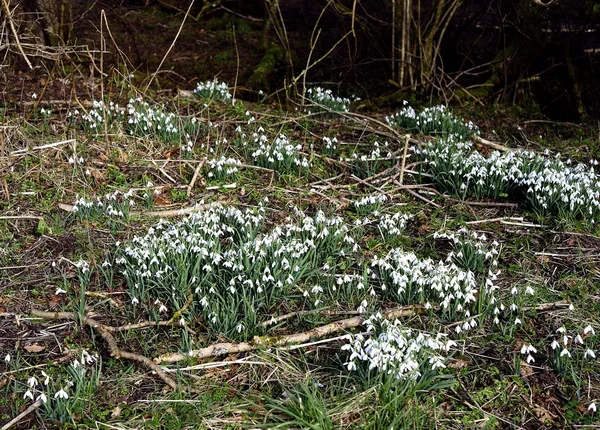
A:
(370, 203)
(279, 154)
(139, 119)
(233, 271)
(566, 346)
(213, 90)
(470, 250)
(408, 279)
(100, 114)
(145, 120)
(392, 226)
(365, 165)
(432, 120)
(112, 205)
(223, 167)
(59, 397)
(326, 98)
(395, 350)
(549, 185)
(330, 145)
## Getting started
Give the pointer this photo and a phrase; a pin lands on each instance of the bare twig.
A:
(280, 318)
(22, 415)
(194, 178)
(406, 141)
(226, 348)
(24, 151)
(491, 144)
(6, 8)
(170, 47)
(170, 213)
(110, 340)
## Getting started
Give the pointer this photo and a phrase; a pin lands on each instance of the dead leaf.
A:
(97, 174)
(458, 364)
(543, 414)
(116, 412)
(543, 259)
(34, 348)
(171, 152)
(526, 370)
(162, 199)
(121, 156)
(54, 300)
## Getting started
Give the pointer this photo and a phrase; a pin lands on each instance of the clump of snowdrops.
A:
(111, 206)
(234, 268)
(435, 120)
(324, 98)
(212, 90)
(366, 165)
(278, 153)
(222, 168)
(64, 396)
(547, 185)
(100, 118)
(139, 119)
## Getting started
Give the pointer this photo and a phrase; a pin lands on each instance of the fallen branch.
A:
(110, 340)
(226, 348)
(22, 415)
(14, 32)
(491, 144)
(321, 311)
(170, 213)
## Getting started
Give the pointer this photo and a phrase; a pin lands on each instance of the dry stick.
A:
(280, 318)
(363, 181)
(237, 69)
(110, 340)
(407, 139)
(22, 415)
(25, 151)
(226, 348)
(169, 213)
(419, 196)
(486, 204)
(170, 47)
(194, 178)
(14, 31)
(491, 144)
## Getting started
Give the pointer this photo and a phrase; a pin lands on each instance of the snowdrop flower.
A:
(42, 398)
(565, 352)
(589, 353)
(135, 301)
(47, 378)
(554, 344)
(32, 382)
(517, 321)
(7, 358)
(60, 291)
(61, 394)
(28, 394)
(589, 329)
(592, 407)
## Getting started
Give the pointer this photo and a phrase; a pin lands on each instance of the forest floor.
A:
(184, 261)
